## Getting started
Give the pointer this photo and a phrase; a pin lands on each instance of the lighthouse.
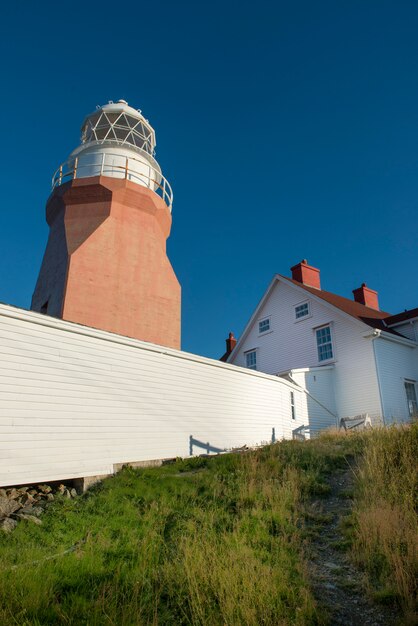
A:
(109, 214)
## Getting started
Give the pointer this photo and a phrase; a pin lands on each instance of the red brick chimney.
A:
(231, 342)
(306, 274)
(366, 296)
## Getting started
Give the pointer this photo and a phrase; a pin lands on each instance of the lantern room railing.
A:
(103, 165)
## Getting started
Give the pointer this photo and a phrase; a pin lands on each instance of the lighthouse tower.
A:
(109, 213)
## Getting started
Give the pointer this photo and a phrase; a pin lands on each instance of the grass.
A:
(202, 541)
(384, 520)
(216, 541)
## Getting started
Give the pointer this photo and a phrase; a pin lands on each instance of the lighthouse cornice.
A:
(105, 191)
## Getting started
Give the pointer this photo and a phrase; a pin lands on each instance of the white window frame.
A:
(408, 381)
(246, 354)
(292, 405)
(261, 333)
(331, 332)
(303, 317)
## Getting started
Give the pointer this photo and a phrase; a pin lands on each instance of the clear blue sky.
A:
(288, 130)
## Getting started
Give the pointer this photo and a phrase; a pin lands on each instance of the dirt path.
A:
(338, 585)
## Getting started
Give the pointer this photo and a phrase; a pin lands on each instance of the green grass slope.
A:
(216, 541)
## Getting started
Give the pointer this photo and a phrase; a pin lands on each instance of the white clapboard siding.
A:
(319, 386)
(75, 401)
(408, 330)
(396, 363)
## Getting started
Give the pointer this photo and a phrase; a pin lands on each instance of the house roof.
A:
(363, 313)
(402, 317)
(371, 317)
(380, 320)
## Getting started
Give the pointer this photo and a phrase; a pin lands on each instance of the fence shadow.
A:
(195, 443)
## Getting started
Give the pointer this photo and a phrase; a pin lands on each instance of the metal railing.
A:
(82, 168)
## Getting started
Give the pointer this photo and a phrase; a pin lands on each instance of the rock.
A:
(7, 507)
(30, 510)
(29, 518)
(67, 493)
(44, 498)
(3, 493)
(45, 489)
(37, 510)
(61, 488)
(73, 493)
(33, 492)
(8, 524)
(26, 499)
(42, 501)
(12, 493)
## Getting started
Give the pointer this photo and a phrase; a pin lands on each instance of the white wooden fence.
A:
(75, 401)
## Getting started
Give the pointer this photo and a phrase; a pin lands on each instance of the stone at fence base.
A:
(29, 518)
(26, 498)
(45, 489)
(7, 507)
(30, 510)
(28, 503)
(8, 524)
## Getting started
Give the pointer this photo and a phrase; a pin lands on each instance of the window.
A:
(302, 310)
(411, 398)
(251, 360)
(264, 325)
(324, 343)
(292, 405)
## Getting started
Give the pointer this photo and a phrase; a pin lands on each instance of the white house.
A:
(350, 357)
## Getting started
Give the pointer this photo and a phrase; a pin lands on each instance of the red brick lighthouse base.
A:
(105, 264)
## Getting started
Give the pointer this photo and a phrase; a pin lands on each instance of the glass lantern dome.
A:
(120, 124)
